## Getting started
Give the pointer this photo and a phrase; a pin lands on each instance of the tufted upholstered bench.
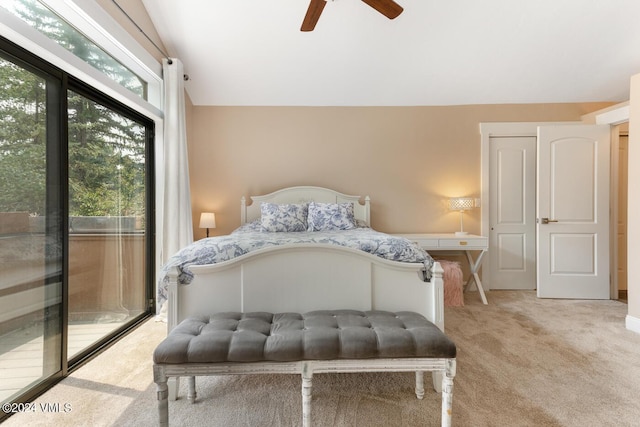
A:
(315, 342)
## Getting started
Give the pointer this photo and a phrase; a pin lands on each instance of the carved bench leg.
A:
(437, 381)
(307, 375)
(419, 384)
(174, 387)
(162, 390)
(447, 393)
(191, 393)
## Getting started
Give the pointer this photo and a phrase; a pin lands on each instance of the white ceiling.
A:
(437, 52)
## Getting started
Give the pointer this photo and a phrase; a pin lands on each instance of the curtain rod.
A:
(185, 76)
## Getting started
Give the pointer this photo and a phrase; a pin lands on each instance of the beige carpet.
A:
(521, 362)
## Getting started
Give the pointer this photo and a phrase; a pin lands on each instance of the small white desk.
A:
(451, 242)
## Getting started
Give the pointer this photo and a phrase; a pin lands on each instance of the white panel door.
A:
(573, 212)
(512, 212)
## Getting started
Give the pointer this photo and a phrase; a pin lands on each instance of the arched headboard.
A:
(303, 194)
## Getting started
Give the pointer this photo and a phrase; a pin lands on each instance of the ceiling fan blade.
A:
(313, 14)
(388, 8)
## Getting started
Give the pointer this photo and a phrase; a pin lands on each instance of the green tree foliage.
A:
(48, 23)
(110, 152)
(22, 140)
(106, 150)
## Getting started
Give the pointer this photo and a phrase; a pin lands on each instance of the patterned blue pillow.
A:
(331, 216)
(281, 218)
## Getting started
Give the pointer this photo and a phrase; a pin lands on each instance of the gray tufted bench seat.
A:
(314, 342)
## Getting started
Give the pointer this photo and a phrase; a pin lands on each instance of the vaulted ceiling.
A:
(437, 52)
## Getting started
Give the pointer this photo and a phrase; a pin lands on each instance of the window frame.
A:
(20, 33)
(90, 19)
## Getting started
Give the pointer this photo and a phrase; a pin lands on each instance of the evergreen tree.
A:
(106, 150)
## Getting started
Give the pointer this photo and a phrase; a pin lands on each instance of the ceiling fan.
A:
(388, 8)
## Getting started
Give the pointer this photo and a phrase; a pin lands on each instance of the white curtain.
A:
(177, 228)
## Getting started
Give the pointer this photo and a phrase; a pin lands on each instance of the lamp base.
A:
(461, 233)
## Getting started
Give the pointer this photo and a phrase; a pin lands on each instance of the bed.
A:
(302, 271)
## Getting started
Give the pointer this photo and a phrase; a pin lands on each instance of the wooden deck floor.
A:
(21, 353)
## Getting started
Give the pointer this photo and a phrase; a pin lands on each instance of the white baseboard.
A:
(633, 324)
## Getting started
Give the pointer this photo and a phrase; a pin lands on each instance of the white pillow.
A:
(282, 218)
(331, 216)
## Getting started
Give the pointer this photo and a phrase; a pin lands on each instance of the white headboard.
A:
(303, 194)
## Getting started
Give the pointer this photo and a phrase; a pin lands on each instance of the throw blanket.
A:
(249, 238)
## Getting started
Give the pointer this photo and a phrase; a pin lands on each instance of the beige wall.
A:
(407, 159)
(633, 207)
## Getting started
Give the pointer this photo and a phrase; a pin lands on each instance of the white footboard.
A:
(301, 278)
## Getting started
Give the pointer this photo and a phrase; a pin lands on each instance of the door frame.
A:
(612, 116)
(616, 133)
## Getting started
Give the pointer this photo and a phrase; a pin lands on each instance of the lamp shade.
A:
(207, 220)
(461, 203)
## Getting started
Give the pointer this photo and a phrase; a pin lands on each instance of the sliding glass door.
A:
(107, 219)
(31, 241)
(76, 222)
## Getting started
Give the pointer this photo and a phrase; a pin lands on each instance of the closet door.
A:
(512, 212)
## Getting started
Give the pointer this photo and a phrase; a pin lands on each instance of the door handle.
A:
(546, 220)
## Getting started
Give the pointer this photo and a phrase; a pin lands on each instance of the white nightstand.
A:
(451, 242)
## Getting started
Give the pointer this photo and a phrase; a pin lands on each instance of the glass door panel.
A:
(107, 199)
(30, 236)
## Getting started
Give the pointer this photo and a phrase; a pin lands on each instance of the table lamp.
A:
(207, 220)
(461, 204)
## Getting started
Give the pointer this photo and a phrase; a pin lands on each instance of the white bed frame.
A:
(305, 277)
